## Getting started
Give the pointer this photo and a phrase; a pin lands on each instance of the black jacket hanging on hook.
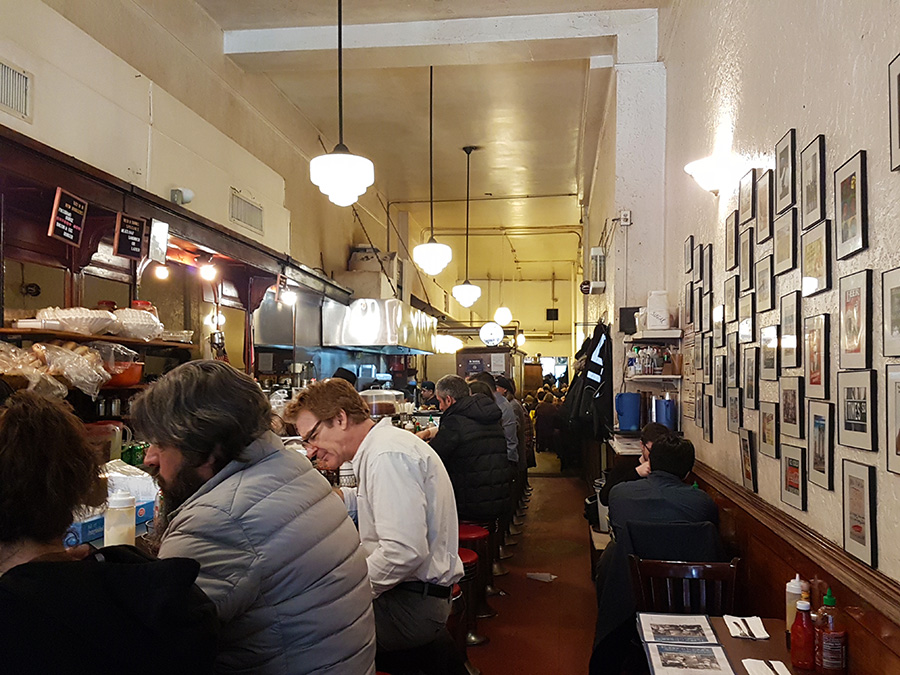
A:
(589, 401)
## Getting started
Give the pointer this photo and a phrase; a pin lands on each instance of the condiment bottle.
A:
(792, 591)
(118, 525)
(831, 638)
(803, 638)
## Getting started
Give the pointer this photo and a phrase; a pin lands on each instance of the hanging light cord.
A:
(340, 73)
(431, 148)
(468, 150)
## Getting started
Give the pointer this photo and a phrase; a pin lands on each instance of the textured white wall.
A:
(740, 74)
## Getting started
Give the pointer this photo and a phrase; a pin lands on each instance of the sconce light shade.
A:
(432, 257)
(342, 176)
(716, 172)
(466, 293)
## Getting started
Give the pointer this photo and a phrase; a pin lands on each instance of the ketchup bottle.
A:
(803, 638)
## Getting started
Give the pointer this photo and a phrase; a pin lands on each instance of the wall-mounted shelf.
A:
(653, 378)
(35, 334)
(655, 335)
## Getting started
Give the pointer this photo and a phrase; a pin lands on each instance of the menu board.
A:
(129, 241)
(67, 219)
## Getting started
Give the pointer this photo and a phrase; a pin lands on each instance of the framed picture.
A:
(791, 350)
(733, 409)
(707, 312)
(745, 267)
(857, 409)
(768, 428)
(747, 318)
(815, 342)
(698, 404)
(698, 353)
(894, 110)
(719, 385)
(812, 182)
(718, 325)
(765, 285)
(707, 268)
(860, 503)
(890, 311)
(697, 266)
(708, 419)
(748, 460)
(689, 254)
(689, 303)
(707, 360)
(855, 305)
(785, 171)
(747, 198)
(750, 375)
(820, 443)
(731, 299)
(815, 259)
(731, 240)
(793, 476)
(791, 403)
(892, 398)
(698, 307)
(768, 353)
(851, 215)
(731, 360)
(764, 201)
(785, 242)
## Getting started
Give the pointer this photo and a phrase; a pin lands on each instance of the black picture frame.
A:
(707, 359)
(791, 345)
(786, 172)
(892, 416)
(697, 266)
(747, 198)
(769, 353)
(731, 298)
(793, 475)
(748, 460)
(855, 311)
(707, 312)
(791, 404)
(731, 240)
(750, 378)
(745, 264)
(732, 365)
(785, 247)
(764, 206)
(890, 312)
(769, 422)
(815, 259)
(719, 380)
(747, 318)
(860, 510)
(851, 207)
(689, 302)
(698, 308)
(812, 182)
(816, 362)
(698, 404)
(718, 325)
(820, 443)
(733, 409)
(707, 418)
(689, 254)
(858, 409)
(765, 285)
(707, 268)
(894, 110)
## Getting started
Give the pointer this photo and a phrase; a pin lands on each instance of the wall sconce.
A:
(716, 172)
(208, 271)
(161, 272)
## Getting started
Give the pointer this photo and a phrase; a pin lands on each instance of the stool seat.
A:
(468, 532)
(455, 593)
(468, 557)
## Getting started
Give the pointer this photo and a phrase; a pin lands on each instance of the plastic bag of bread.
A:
(23, 369)
(115, 358)
(82, 370)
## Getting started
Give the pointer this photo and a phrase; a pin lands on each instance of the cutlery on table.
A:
(749, 632)
(771, 667)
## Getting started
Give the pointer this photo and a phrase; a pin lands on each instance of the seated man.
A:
(405, 505)
(629, 468)
(426, 395)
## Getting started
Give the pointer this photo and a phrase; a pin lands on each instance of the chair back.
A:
(684, 588)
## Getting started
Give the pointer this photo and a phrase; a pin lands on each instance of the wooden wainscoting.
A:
(774, 546)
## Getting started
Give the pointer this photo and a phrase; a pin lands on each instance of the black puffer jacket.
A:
(473, 448)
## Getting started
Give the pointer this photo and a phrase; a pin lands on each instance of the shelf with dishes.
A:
(653, 378)
(659, 335)
(36, 334)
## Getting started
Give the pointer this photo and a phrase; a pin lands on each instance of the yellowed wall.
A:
(52, 281)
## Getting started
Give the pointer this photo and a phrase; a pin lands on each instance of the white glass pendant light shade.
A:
(520, 339)
(447, 344)
(342, 176)
(432, 257)
(491, 334)
(466, 293)
(503, 316)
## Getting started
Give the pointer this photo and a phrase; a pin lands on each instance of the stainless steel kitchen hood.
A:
(382, 326)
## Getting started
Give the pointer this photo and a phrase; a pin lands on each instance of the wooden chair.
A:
(684, 588)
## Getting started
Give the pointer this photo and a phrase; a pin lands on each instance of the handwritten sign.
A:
(67, 219)
(129, 241)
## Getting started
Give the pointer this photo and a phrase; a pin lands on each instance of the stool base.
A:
(475, 640)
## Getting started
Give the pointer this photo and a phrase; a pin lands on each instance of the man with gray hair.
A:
(278, 555)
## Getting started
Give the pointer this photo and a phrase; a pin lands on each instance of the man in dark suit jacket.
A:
(629, 467)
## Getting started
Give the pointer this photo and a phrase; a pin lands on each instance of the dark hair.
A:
(452, 385)
(485, 377)
(326, 399)
(47, 468)
(479, 387)
(672, 454)
(201, 408)
(653, 431)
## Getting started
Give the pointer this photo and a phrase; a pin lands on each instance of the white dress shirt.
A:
(404, 501)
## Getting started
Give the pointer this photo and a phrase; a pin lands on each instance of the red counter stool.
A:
(470, 569)
(477, 539)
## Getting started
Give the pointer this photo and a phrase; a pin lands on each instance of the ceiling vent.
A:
(244, 212)
(15, 91)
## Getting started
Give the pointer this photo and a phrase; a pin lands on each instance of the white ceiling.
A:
(530, 99)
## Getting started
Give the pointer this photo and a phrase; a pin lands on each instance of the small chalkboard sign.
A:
(67, 219)
(129, 241)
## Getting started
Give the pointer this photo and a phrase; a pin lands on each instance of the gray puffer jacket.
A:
(281, 561)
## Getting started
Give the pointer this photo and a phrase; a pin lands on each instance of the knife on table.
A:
(749, 632)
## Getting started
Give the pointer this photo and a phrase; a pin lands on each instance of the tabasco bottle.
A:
(803, 640)
(831, 638)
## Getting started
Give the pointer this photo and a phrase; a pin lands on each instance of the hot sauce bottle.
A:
(803, 639)
(831, 638)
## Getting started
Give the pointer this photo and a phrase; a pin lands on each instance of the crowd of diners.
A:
(261, 566)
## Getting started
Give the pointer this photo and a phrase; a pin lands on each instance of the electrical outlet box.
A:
(625, 217)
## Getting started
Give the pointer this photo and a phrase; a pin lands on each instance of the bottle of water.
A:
(118, 526)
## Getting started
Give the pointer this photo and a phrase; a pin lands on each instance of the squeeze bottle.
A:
(803, 638)
(831, 638)
(792, 591)
(118, 525)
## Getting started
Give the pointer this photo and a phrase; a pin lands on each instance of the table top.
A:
(738, 649)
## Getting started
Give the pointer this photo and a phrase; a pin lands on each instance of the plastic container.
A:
(146, 306)
(128, 377)
(383, 402)
(803, 639)
(657, 310)
(831, 638)
(118, 527)
(792, 591)
(628, 409)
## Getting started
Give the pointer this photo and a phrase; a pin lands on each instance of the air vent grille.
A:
(244, 212)
(15, 91)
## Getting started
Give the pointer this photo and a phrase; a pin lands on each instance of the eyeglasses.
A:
(312, 434)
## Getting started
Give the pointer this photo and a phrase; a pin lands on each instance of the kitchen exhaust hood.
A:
(381, 326)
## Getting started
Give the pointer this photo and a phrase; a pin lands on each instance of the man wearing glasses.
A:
(405, 506)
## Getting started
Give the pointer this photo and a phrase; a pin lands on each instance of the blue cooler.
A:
(628, 409)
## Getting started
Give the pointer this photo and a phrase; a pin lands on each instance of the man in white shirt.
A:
(405, 505)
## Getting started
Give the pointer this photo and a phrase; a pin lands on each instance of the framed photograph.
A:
(689, 254)
(698, 404)
(816, 338)
(698, 353)
(812, 182)
(748, 460)
(785, 171)
(890, 311)
(718, 325)
(851, 215)
(747, 198)
(697, 266)
(708, 419)
(820, 443)
(747, 318)
(894, 110)
(815, 260)
(707, 359)
(857, 427)
(719, 385)
(785, 242)
(731, 240)
(791, 403)
(768, 428)
(892, 433)
(731, 299)
(765, 285)
(707, 312)
(745, 267)
(733, 409)
(793, 476)
(731, 360)
(860, 504)
(768, 353)
(750, 376)
(764, 201)
(707, 268)
(791, 349)
(698, 307)
(689, 303)
(855, 305)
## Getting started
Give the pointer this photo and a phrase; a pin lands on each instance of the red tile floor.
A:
(544, 628)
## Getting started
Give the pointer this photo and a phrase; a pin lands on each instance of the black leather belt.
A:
(425, 588)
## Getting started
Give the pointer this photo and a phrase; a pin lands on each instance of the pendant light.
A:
(467, 293)
(340, 175)
(431, 256)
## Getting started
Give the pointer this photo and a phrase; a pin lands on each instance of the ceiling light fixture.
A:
(339, 174)
(467, 293)
(503, 315)
(520, 339)
(491, 334)
(431, 256)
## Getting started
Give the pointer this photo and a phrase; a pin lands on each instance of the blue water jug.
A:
(628, 408)
(665, 412)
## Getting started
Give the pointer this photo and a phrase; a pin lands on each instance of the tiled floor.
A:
(544, 628)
